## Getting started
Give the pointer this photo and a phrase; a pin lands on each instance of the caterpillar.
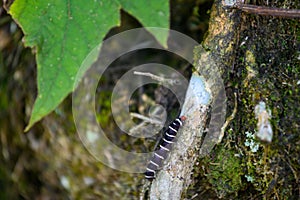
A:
(165, 145)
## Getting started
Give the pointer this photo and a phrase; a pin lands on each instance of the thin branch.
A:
(269, 11)
(146, 119)
(157, 78)
(263, 10)
(228, 120)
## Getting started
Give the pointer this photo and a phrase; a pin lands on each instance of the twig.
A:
(146, 119)
(157, 78)
(263, 10)
(229, 119)
(269, 11)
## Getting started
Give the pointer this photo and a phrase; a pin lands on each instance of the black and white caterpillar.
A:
(165, 145)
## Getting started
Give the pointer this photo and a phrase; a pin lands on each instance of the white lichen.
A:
(250, 142)
(197, 94)
(232, 2)
(264, 128)
(249, 178)
(65, 182)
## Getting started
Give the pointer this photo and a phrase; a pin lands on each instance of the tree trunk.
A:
(258, 58)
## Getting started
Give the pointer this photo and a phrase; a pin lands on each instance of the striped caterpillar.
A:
(165, 145)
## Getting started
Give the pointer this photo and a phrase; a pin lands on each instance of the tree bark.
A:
(175, 176)
(254, 55)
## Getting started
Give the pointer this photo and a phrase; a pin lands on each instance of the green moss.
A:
(224, 172)
(104, 111)
(250, 58)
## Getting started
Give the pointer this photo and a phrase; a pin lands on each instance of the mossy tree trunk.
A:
(258, 57)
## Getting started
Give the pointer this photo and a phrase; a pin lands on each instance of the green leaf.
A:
(63, 32)
(153, 13)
